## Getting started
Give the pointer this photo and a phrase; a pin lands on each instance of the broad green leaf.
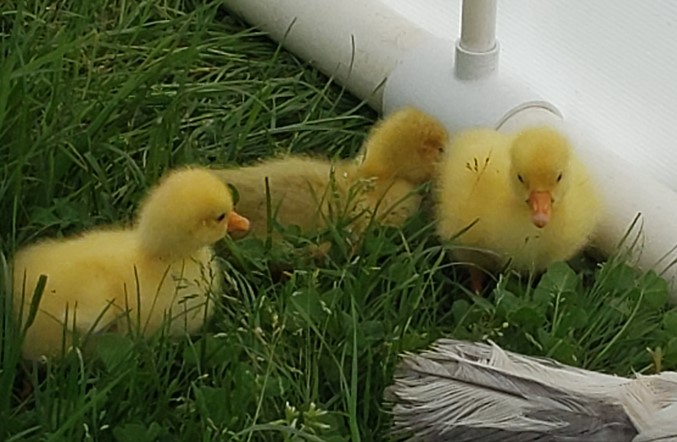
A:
(559, 278)
(114, 349)
(526, 317)
(507, 302)
(459, 309)
(306, 302)
(134, 432)
(670, 322)
(655, 290)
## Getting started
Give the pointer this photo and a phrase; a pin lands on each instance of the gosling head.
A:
(408, 145)
(540, 172)
(188, 209)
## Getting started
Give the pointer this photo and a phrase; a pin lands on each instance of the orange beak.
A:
(541, 205)
(237, 222)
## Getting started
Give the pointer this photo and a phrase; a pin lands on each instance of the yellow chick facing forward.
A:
(401, 153)
(160, 269)
(525, 200)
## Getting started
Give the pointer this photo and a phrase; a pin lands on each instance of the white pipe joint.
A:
(423, 78)
(477, 50)
(475, 65)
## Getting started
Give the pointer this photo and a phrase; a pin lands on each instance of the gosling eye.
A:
(559, 177)
(221, 217)
(519, 177)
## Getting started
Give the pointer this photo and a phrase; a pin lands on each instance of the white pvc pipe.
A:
(478, 25)
(361, 42)
(357, 42)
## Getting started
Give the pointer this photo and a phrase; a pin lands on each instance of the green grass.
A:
(98, 98)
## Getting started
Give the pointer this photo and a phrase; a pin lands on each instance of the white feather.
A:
(540, 369)
(662, 427)
(470, 391)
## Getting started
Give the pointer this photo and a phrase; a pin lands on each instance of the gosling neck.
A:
(378, 169)
(156, 245)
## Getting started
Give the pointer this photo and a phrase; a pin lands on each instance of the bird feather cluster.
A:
(462, 391)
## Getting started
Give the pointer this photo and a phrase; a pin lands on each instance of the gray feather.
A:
(461, 391)
(452, 402)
